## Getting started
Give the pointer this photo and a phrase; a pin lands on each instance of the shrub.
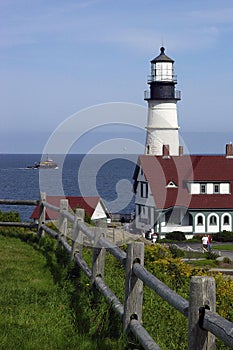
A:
(226, 260)
(176, 252)
(223, 236)
(10, 216)
(176, 236)
(211, 255)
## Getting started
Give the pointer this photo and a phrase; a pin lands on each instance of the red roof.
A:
(159, 171)
(87, 203)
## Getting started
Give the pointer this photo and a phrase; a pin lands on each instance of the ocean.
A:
(107, 176)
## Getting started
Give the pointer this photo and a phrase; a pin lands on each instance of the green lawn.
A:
(47, 303)
(35, 311)
(223, 246)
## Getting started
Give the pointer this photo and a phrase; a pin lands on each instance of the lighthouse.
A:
(162, 97)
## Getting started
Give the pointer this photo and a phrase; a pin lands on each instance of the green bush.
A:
(9, 216)
(226, 260)
(176, 236)
(176, 252)
(211, 255)
(224, 236)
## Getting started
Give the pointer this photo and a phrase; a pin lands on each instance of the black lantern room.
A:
(162, 80)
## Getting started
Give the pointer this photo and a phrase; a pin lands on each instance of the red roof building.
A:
(93, 206)
(189, 193)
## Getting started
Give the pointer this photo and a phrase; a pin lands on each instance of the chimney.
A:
(181, 150)
(166, 151)
(229, 150)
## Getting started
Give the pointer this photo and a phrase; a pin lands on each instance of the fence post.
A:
(202, 295)
(133, 285)
(77, 239)
(123, 236)
(99, 253)
(42, 213)
(113, 235)
(62, 222)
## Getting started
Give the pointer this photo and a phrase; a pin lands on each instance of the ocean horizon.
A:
(108, 176)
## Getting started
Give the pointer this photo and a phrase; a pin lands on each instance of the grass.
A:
(223, 246)
(36, 310)
(205, 263)
(46, 302)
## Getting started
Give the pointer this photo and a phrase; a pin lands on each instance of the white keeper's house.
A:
(176, 191)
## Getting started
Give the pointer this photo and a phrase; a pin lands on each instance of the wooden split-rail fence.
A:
(204, 325)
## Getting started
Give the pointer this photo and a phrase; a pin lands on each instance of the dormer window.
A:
(209, 188)
(216, 188)
(171, 184)
(203, 188)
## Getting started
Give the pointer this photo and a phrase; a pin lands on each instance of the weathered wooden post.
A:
(99, 252)
(133, 285)
(202, 296)
(123, 236)
(62, 222)
(77, 239)
(114, 235)
(42, 213)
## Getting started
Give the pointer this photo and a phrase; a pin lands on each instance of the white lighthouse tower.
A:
(162, 124)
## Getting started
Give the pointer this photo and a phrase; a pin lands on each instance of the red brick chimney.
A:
(229, 150)
(166, 151)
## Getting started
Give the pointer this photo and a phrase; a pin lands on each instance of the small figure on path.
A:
(122, 220)
(205, 243)
(209, 244)
(149, 234)
(154, 237)
(127, 226)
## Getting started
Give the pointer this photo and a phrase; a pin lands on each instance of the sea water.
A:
(107, 176)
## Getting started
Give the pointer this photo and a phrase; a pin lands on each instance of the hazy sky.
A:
(58, 57)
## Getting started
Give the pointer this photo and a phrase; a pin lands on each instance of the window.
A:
(200, 220)
(138, 207)
(144, 214)
(226, 220)
(203, 188)
(171, 184)
(216, 188)
(213, 220)
(144, 189)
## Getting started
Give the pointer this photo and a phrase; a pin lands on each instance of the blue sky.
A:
(60, 57)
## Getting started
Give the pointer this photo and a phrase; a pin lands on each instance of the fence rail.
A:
(203, 323)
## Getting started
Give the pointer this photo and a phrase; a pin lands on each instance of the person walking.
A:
(209, 243)
(154, 237)
(204, 243)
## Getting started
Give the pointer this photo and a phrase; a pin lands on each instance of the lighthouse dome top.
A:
(162, 57)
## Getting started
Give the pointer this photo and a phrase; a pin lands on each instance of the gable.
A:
(89, 204)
